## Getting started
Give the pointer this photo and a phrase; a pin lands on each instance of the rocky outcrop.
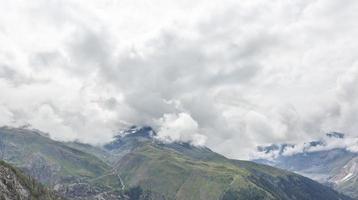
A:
(16, 186)
(10, 185)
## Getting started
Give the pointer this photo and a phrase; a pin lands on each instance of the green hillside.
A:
(166, 173)
(46, 159)
(67, 170)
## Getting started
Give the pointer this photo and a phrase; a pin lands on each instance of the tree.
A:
(134, 193)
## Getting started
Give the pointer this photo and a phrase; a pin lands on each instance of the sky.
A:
(230, 75)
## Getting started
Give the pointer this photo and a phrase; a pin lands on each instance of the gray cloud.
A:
(235, 74)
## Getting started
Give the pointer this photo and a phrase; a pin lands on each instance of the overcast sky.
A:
(227, 74)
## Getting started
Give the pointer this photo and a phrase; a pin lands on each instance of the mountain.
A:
(61, 167)
(135, 165)
(183, 171)
(15, 185)
(336, 167)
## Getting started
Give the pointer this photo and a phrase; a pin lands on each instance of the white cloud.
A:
(325, 143)
(180, 128)
(246, 72)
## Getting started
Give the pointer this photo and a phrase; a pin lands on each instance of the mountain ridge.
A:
(335, 167)
(138, 166)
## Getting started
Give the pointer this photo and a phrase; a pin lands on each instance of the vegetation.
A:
(168, 172)
(58, 159)
(244, 194)
(134, 193)
(37, 191)
(140, 167)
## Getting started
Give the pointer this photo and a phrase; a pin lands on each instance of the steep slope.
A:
(336, 167)
(14, 185)
(346, 179)
(182, 171)
(65, 169)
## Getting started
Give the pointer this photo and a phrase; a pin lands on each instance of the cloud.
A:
(330, 141)
(239, 74)
(180, 128)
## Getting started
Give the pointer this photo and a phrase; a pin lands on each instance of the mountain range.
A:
(135, 165)
(328, 160)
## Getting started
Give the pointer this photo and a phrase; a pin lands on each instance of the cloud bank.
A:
(231, 74)
(180, 128)
(330, 141)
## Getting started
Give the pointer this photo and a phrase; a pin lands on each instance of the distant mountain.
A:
(333, 166)
(135, 165)
(15, 185)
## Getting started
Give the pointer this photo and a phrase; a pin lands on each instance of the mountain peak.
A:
(137, 131)
(335, 135)
(141, 133)
(26, 129)
(279, 148)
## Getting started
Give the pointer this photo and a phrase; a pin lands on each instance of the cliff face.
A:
(14, 185)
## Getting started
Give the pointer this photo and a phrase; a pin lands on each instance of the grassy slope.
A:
(25, 145)
(174, 175)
